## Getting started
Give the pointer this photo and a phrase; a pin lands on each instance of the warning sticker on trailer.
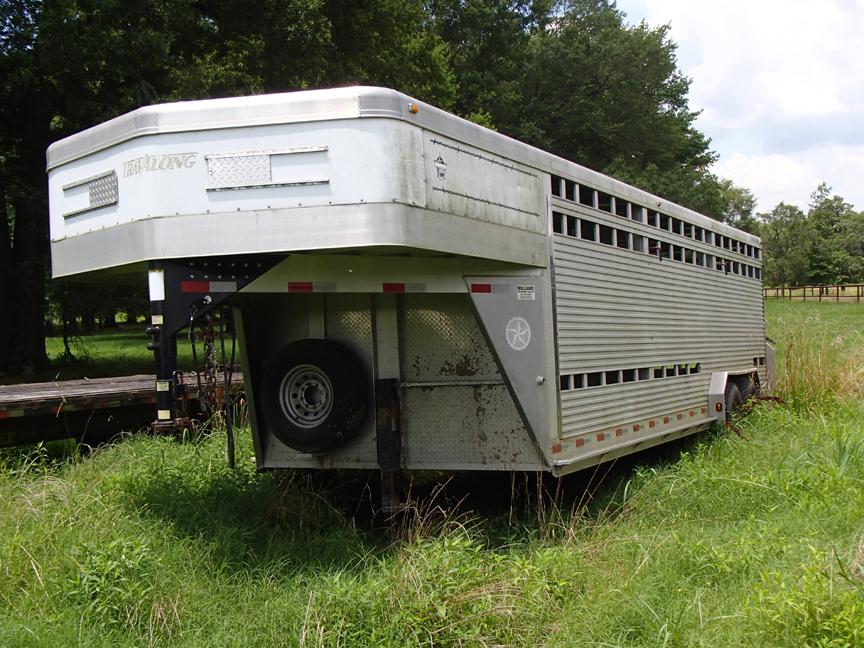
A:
(525, 292)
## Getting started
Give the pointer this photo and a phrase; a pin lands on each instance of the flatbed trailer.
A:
(88, 408)
(411, 290)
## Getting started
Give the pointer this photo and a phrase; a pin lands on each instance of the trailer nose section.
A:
(516, 320)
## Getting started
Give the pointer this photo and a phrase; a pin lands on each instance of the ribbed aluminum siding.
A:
(619, 309)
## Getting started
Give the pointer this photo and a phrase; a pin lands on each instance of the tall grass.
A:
(817, 365)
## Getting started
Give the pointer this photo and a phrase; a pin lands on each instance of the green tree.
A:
(787, 240)
(65, 65)
(487, 41)
(739, 206)
(832, 259)
(609, 96)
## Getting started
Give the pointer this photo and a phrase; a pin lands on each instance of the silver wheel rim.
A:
(306, 396)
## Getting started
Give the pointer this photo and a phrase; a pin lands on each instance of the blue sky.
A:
(781, 89)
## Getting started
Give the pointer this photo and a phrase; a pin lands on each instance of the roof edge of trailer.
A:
(230, 112)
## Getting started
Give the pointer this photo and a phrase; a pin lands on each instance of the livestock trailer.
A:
(411, 290)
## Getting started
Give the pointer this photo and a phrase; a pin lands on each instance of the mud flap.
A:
(516, 321)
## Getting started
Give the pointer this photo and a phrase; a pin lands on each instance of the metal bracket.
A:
(179, 292)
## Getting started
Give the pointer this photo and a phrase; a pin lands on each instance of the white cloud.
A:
(780, 86)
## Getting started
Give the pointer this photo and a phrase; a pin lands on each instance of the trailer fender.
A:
(717, 395)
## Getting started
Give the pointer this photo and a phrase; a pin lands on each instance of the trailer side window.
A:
(664, 222)
(688, 255)
(757, 252)
(604, 201)
(558, 222)
(586, 196)
(665, 250)
(645, 373)
(566, 383)
(718, 240)
(613, 377)
(622, 207)
(637, 213)
(678, 253)
(556, 185)
(570, 190)
(700, 259)
(758, 273)
(698, 233)
(638, 243)
(606, 235)
(676, 226)
(587, 230)
(595, 378)
(652, 218)
(622, 239)
(688, 230)
(628, 375)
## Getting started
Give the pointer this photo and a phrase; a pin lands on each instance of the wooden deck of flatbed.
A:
(52, 406)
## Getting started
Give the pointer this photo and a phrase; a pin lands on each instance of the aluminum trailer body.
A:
(413, 290)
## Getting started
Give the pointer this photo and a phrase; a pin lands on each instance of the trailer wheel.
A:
(733, 399)
(314, 395)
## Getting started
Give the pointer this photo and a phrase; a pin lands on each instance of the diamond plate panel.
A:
(103, 190)
(442, 341)
(237, 171)
(458, 427)
(348, 319)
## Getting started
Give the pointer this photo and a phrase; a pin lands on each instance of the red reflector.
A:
(601, 436)
(481, 288)
(194, 286)
(665, 419)
(618, 432)
(636, 428)
(300, 286)
(393, 287)
(580, 443)
(651, 424)
(556, 448)
(4, 414)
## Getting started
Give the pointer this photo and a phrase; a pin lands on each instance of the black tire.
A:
(733, 399)
(314, 395)
(749, 387)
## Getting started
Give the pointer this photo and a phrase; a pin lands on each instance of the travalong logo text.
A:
(169, 162)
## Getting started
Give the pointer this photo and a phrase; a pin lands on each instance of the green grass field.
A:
(118, 352)
(754, 539)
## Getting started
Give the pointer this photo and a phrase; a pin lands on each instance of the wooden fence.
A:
(847, 293)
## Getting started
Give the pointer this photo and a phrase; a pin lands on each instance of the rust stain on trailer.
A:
(463, 367)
